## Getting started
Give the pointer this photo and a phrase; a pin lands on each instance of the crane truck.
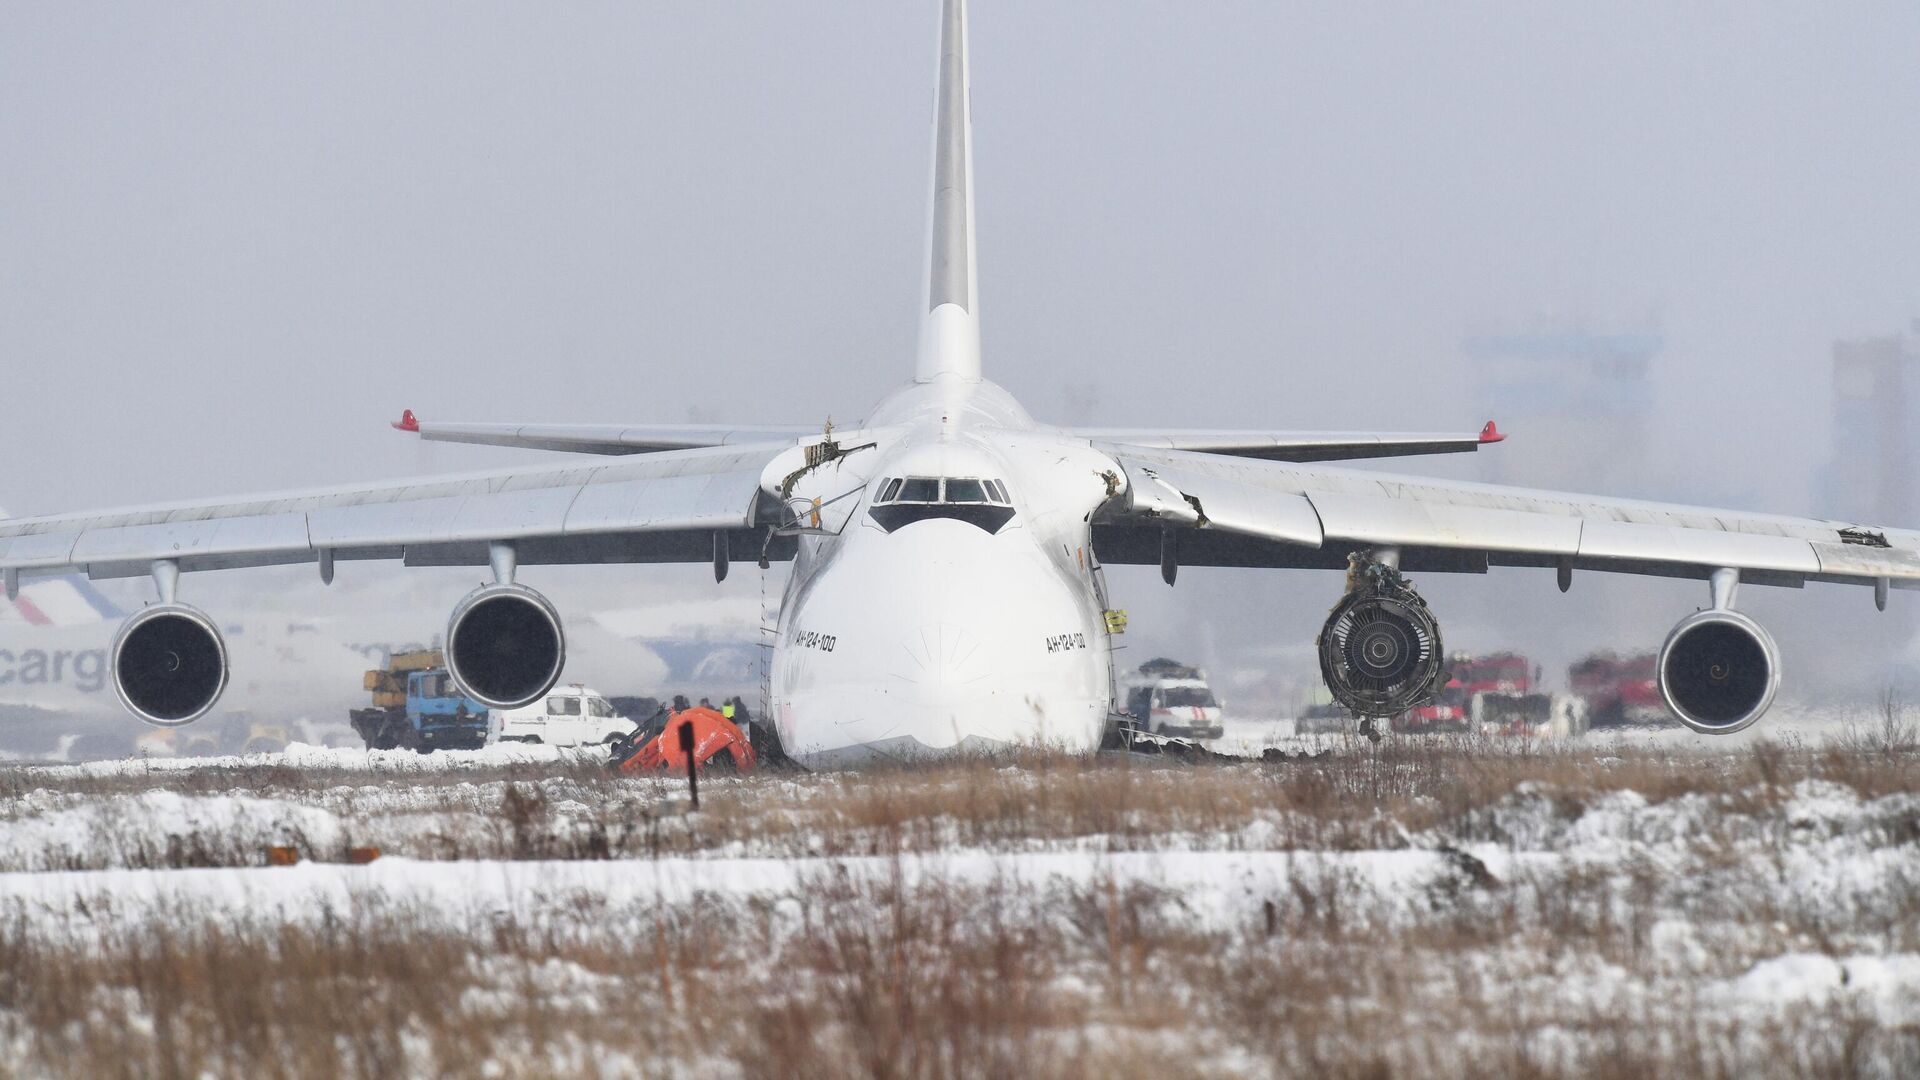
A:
(417, 706)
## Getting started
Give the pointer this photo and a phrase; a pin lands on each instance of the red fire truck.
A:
(1467, 678)
(1619, 690)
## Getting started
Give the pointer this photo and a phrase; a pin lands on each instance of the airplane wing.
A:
(601, 438)
(1296, 445)
(1219, 511)
(668, 507)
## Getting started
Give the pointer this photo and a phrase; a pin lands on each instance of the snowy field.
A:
(1618, 907)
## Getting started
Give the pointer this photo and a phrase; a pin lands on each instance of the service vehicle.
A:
(265, 738)
(1562, 716)
(1321, 715)
(1455, 707)
(417, 705)
(1167, 697)
(1619, 691)
(568, 716)
(175, 742)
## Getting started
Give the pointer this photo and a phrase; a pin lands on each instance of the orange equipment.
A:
(717, 743)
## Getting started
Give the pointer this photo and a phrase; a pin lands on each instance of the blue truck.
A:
(417, 706)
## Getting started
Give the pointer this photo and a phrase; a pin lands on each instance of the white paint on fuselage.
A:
(942, 636)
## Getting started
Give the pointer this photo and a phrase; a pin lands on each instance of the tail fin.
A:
(950, 330)
(67, 600)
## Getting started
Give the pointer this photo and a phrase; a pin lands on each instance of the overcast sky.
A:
(236, 239)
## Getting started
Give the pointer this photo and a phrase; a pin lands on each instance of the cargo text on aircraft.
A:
(85, 669)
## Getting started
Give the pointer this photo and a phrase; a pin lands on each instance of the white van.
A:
(1169, 698)
(567, 716)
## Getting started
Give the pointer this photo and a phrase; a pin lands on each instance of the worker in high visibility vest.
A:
(736, 711)
(726, 708)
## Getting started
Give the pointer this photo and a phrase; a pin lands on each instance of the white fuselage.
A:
(946, 633)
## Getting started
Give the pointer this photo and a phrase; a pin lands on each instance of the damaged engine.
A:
(1380, 651)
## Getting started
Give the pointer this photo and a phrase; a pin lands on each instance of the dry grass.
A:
(1367, 798)
(1572, 968)
(885, 979)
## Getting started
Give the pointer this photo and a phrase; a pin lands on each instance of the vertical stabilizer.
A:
(950, 331)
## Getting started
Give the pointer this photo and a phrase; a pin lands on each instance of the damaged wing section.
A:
(1168, 492)
(1237, 512)
(1295, 445)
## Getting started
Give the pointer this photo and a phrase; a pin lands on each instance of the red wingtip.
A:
(409, 422)
(1488, 434)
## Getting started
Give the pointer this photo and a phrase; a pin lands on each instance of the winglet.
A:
(409, 422)
(1488, 434)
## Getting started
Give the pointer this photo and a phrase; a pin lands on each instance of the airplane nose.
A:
(943, 661)
(863, 665)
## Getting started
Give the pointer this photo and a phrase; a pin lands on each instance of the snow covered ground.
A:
(1791, 722)
(1621, 908)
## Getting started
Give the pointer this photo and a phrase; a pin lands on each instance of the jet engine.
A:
(505, 647)
(1380, 651)
(1718, 671)
(169, 664)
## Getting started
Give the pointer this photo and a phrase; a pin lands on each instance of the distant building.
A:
(1579, 405)
(1869, 480)
(1876, 450)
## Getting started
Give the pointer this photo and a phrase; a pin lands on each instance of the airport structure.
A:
(1583, 397)
(1876, 427)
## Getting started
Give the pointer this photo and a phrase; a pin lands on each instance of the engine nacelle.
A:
(1718, 671)
(1380, 653)
(169, 664)
(505, 647)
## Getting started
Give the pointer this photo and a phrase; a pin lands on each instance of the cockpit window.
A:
(965, 491)
(951, 489)
(975, 500)
(920, 489)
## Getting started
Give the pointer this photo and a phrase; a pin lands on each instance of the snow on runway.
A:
(1435, 906)
(1218, 889)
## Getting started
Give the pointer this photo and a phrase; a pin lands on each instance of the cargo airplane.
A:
(946, 589)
